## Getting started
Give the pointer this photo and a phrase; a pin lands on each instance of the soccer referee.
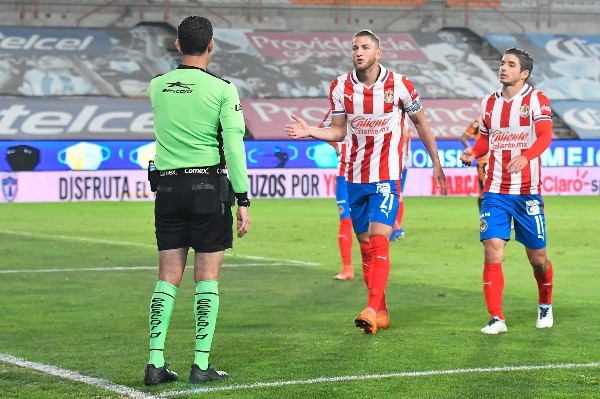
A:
(199, 129)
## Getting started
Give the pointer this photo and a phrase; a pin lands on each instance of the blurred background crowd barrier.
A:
(276, 73)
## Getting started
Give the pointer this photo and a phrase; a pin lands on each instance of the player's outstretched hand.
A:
(467, 157)
(297, 130)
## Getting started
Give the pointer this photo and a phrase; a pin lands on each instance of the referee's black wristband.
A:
(242, 199)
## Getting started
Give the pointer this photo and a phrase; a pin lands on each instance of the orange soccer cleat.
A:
(382, 320)
(367, 321)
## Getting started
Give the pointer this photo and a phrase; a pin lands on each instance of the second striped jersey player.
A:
(510, 127)
(516, 128)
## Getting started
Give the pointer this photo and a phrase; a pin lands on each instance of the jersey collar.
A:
(383, 74)
(524, 92)
(181, 66)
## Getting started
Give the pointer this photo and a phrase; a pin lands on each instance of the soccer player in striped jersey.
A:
(372, 104)
(516, 127)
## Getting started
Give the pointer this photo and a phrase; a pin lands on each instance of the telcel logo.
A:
(18, 118)
(37, 42)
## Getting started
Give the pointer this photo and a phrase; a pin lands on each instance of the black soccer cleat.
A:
(158, 375)
(198, 376)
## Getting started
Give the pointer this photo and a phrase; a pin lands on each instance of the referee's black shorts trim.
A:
(216, 170)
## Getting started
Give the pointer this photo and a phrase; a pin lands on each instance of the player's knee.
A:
(539, 262)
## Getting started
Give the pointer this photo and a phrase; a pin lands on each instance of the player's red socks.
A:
(545, 284)
(399, 216)
(365, 252)
(493, 286)
(380, 270)
(345, 238)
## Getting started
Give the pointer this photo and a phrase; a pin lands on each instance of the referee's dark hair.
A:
(524, 58)
(194, 33)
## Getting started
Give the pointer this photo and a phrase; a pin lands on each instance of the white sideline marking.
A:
(75, 376)
(137, 244)
(379, 376)
(117, 268)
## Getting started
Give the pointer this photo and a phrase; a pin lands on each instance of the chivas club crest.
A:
(524, 111)
(483, 226)
(388, 96)
(9, 188)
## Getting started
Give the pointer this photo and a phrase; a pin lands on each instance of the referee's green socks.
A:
(161, 307)
(206, 308)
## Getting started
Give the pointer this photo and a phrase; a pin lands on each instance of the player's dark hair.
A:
(524, 59)
(366, 32)
(194, 34)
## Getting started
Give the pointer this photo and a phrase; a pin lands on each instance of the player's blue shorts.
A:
(372, 202)
(341, 197)
(527, 212)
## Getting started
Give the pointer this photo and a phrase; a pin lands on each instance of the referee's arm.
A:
(234, 128)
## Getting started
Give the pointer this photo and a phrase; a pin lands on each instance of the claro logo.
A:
(18, 118)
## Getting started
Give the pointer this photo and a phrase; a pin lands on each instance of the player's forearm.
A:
(235, 157)
(429, 142)
(332, 133)
(544, 137)
(481, 147)
(464, 141)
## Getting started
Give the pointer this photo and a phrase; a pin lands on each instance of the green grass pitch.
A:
(76, 280)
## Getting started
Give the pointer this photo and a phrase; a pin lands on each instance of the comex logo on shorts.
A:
(533, 207)
(178, 87)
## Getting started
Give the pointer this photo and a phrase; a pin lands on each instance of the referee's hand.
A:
(243, 221)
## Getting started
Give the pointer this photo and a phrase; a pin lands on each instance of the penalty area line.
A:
(75, 376)
(379, 376)
(127, 268)
(142, 245)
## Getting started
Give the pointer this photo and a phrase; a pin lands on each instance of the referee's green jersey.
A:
(198, 121)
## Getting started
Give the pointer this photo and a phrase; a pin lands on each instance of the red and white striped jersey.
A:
(376, 117)
(510, 127)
